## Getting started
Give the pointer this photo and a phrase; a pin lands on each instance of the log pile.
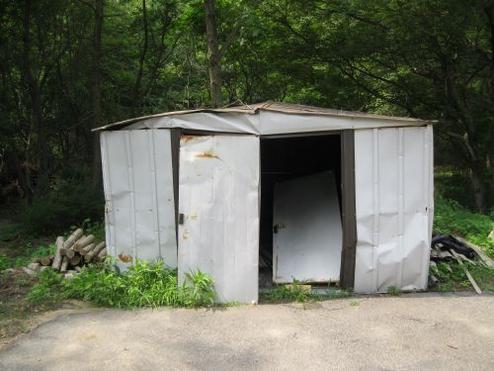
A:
(70, 255)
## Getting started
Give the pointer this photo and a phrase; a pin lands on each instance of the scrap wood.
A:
(482, 256)
(467, 273)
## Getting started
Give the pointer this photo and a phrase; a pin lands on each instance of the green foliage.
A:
(97, 229)
(48, 289)
(292, 292)
(451, 218)
(451, 276)
(302, 293)
(5, 262)
(394, 291)
(61, 208)
(143, 285)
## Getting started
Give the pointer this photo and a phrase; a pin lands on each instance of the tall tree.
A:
(214, 55)
(96, 86)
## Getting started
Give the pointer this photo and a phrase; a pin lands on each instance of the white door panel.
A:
(308, 234)
(219, 206)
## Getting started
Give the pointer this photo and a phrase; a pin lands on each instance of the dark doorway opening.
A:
(285, 158)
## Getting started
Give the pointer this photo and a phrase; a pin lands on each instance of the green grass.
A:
(452, 277)
(451, 218)
(143, 285)
(300, 292)
(394, 291)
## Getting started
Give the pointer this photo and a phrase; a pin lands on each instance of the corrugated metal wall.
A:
(138, 182)
(219, 200)
(394, 208)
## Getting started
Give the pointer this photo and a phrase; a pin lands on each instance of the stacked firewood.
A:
(71, 254)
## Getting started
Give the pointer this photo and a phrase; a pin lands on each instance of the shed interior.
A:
(285, 158)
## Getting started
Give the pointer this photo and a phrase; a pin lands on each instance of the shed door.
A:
(138, 182)
(219, 212)
(307, 230)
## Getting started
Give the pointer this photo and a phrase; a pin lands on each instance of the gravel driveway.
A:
(420, 331)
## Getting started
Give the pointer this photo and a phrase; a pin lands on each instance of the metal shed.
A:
(319, 195)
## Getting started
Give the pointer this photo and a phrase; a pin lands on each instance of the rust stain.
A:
(186, 138)
(207, 154)
(125, 258)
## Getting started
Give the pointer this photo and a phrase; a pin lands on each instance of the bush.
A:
(143, 285)
(48, 289)
(61, 208)
(451, 218)
(5, 262)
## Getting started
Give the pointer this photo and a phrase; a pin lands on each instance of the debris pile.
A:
(446, 248)
(70, 255)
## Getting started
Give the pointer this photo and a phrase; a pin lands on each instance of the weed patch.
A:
(451, 277)
(301, 293)
(143, 285)
(451, 218)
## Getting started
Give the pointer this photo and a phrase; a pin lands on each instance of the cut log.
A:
(64, 265)
(28, 271)
(34, 266)
(45, 260)
(72, 238)
(87, 249)
(102, 255)
(94, 252)
(75, 246)
(77, 269)
(75, 260)
(69, 253)
(57, 260)
(482, 256)
(467, 273)
(79, 246)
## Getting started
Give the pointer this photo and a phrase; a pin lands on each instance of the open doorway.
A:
(291, 167)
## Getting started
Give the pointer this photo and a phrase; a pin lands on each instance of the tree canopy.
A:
(67, 66)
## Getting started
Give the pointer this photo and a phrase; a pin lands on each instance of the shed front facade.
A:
(269, 193)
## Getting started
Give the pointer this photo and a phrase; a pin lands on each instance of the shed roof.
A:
(265, 118)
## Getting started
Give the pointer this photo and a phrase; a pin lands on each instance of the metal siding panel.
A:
(364, 200)
(394, 218)
(138, 180)
(219, 198)
(387, 250)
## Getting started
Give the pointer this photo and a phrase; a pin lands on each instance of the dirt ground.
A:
(420, 331)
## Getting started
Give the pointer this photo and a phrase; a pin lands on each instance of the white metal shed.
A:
(308, 193)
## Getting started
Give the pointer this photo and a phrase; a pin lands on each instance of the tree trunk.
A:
(489, 11)
(214, 55)
(479, 189)
(137, 96)
(96, 89)
(34, 93)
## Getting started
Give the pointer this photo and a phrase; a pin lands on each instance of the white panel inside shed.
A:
(138, 181)
(219, 206)
(308, 234)
(393, 184)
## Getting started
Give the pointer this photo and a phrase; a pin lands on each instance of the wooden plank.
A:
(487, 261)
(467, 273)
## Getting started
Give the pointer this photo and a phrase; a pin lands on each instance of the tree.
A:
(214, 54)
